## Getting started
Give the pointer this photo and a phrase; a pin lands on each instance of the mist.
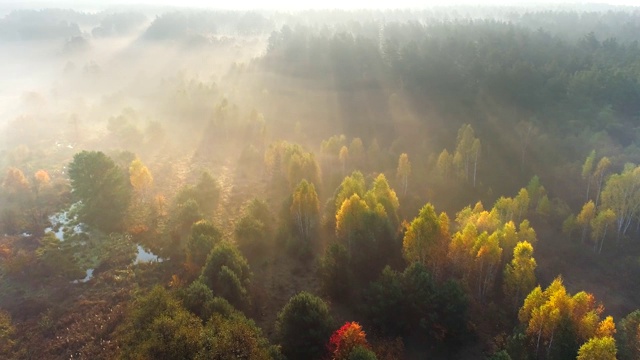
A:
(409, 181)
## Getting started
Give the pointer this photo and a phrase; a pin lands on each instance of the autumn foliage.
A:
(345, 339)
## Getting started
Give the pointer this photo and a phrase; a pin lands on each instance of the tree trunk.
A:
(588, 187)
(475, 169)
(406, 183)
(603, 236)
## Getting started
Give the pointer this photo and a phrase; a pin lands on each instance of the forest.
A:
(455, 182)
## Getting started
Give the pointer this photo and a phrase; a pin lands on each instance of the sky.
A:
(300, 4)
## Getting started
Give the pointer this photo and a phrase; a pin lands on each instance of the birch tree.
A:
(519, 276)
(621, 194)
(403, 172)
(305, 210)
(599, 175)
(599, 227)
(587, 170)
(585, 217)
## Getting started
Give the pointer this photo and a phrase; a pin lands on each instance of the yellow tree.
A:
(585, 217)
(353, 184)
(461, 248)
(445, 164)
(599, 226)
(505, 208)
(587, 171)
(540, 313)
(424, 239)
(519, 275)
(509, 237)
(305, 210)
(521, 203)
(488, 254)
(598, 348)
(543, 313)
(526, 232)
(403, 171)
(382, 193)
(351, 220)
(140, 177)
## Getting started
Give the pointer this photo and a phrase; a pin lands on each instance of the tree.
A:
(336, 276)
(41, 180)
(385, 303)
(227, 273)
(207, 193)
(585, 217)
(425, 241)
(15, 184)
(344, 157)
(403, 171)
(382, 193)
(302, 166)
(598, 348)
(102, 188)
(487, 255)
(569, 226)
(159, 328)
(536, 191)
(544, 207)
(521, 203)
(140, 176)
(526, 130)
(344, 340)
(444, 164)
(587, 170)
(621, 194)
(461, 249)
(204, 236)
(599, 175)
(303, 326)
(7, 331)
(475, 150)
(628, 336)
(561, 322)
(467, 152)
(305, 210)
(361, 353)
(197, 298)
(254, 230)
(351, 220)
(366, 234)
(599, 226)
(519, 274)
(172, 336)
(234, 337)
(353, 184)
(413, 303)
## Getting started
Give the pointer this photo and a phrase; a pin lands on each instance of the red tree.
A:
(345, 339)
